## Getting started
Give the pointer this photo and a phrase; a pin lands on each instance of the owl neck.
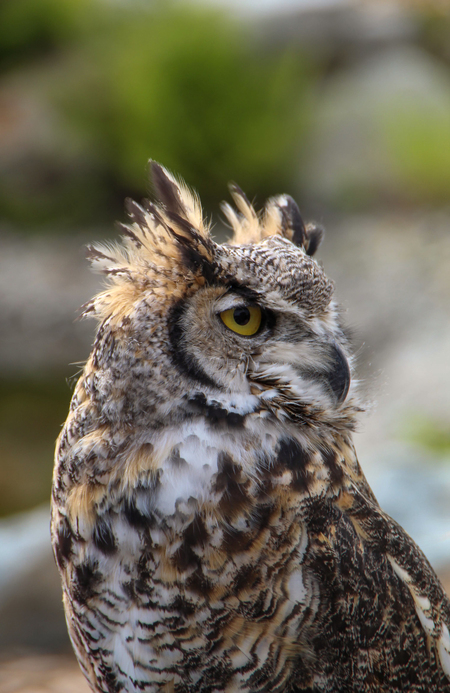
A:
(227, 462)
(231, 469)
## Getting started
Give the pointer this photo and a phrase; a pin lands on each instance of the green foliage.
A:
(31, 414)
(434, 30)
(418, 139)
(126, 82)
(188, 87)
(429, 434)
(31, 27)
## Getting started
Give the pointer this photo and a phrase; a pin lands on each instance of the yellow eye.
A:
(245, 320)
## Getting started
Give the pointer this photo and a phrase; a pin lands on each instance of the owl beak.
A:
(338, 373)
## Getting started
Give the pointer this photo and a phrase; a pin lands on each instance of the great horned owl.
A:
(211, 523)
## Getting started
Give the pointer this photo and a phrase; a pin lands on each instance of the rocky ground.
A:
(42, 674)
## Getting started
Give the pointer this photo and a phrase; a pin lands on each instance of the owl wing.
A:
(382, 621)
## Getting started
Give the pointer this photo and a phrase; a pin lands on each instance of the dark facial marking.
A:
(180, 355)
(248, 294)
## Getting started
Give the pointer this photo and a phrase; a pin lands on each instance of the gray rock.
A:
(43, 282)
(359, 116)
(42, 674)
(31, 611)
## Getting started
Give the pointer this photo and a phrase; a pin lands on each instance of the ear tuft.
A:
(314, 237)
(245, 222)
(177, 199)
(166, 189)
(293, 227)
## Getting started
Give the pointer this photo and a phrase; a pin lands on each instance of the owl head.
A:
(189, 326)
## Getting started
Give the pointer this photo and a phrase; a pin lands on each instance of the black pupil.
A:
(241, 315)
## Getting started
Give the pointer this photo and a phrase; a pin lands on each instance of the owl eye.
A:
(245, 320)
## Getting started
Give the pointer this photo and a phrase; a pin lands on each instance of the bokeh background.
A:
(344, 105)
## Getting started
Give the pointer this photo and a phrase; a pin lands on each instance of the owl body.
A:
(210, 521)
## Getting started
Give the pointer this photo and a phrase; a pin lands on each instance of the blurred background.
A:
(344, 105)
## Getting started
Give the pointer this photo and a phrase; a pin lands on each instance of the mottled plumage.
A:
(211, 523)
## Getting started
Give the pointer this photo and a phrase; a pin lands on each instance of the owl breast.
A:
(200, 573)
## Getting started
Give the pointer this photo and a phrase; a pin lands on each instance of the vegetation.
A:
(32, 411)
(125, 82)
(432, 436)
